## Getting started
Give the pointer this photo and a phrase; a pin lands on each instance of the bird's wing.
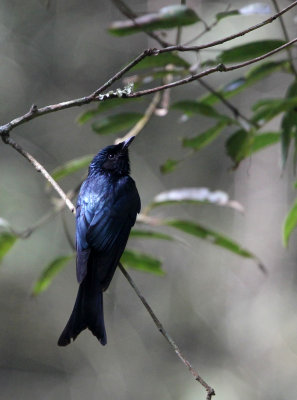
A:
(106, 229)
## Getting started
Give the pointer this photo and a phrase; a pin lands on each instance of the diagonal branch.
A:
(231, 37)
(35, 112)
(125, 10)
(40, 168)
(237, 114)
(209, 389)
(218, 68)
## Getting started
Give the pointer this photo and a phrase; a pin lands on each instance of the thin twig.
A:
(41, 169)
(231, 37)
(218, 68)
(161, 329)
(206, 29)
(179, 28)
(143, 121)
(34, 112)
(286, 35)
(227, 103)
(118, 75)
(125, 10)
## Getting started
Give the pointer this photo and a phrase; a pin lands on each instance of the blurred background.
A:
(237, 326)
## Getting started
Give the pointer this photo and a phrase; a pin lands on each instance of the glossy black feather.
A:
(107, 207)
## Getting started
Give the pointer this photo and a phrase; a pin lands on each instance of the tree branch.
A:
(209, 389)
(206, 29)
(218, 68)
(35, 112)
(231, 37)
(39, 168)
(237, 114)
(125, 10)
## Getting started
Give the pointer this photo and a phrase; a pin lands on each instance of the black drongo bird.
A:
(107, 206)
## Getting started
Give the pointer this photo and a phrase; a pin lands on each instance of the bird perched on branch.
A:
(107, 207)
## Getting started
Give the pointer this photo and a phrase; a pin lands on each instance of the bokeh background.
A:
(237, 326)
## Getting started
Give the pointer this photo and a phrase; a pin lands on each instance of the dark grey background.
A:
(237, 326)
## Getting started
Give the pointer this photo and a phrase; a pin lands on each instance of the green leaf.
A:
(169, 166)
(205, 138)
(292, 90)
(150, 235)
(267, 109)
(71, 166)
(250, 9)
(116, 123)
(7, 240)
(248, 51)
(279, 105)
(290, 224)
(161, 60)
(49, 273)
(142, 262)
(266, 68)
(191, 107)
(87, 115)
(168, 17)
(264, 140)
(195, 196)
(225, 14)
(251, 77)
(288, 126)
(239, 145)
(197, 230)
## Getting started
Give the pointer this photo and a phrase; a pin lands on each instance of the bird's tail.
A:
(87, 313)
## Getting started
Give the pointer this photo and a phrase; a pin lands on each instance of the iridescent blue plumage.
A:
(107, 207)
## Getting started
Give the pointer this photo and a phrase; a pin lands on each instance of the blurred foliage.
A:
(166, 18)
(7, 240)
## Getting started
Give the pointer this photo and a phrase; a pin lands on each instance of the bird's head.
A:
(112, 160)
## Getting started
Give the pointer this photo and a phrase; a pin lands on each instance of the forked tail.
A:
(87, 313)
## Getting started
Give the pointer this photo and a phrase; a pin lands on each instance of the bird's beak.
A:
(127, 142)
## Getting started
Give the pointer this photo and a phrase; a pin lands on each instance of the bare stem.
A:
(41, 169)
(231, 37)
(161, 329)
(35, 112)
(227, 103)
(206, 29)
(218, 68)
(125, 10)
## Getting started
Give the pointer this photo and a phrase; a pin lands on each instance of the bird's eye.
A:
(110, 156)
